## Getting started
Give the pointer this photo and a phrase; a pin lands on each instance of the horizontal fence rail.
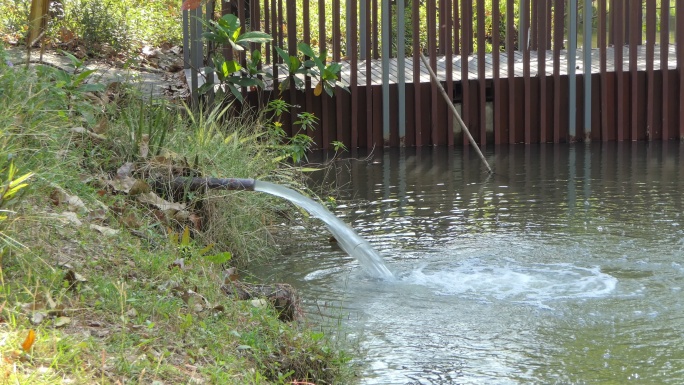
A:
(519, 71)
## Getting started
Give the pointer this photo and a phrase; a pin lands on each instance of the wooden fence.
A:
(524, 80)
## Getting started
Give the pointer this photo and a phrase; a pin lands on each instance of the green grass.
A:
(136, 316)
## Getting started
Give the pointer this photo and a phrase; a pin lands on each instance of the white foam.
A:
(511, 281)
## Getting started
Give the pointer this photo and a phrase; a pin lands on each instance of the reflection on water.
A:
(564, 266)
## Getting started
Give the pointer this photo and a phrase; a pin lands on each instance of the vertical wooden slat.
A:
(449, 69)
(336, 30)
(559, 17)
(291, 20)
(322, 41)
(619, 39)
(541, 63)
(369, 78)
(457, 28)
(679, 41)
(534, 23)
(274, 55)
(634, 37)
(267, 28)
(432, 52)
(510, 56)
(650, 57)
(525, 9)
(664, 68)
(466, 41)
(605, 135)
(441, 27)
(353, 87)
(482, 101)
(255, 19)
(306, 36)
(496, 21)
(376, 29)
(416, 74)
(337, 55)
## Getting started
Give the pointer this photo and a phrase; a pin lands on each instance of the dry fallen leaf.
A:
(62, 321)
(230, 275)
(59, 196)
(83, 131)
(30, 339)
(162, 204)
(97, 216)
(144, 145)
(125, 171)
(101, 126)
(37, 317)
(104, 230)
(67, 217)
(73, 278)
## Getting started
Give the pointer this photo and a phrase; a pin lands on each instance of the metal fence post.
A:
(588, 15)
(386, 46)
(401, 67)
(572, 64)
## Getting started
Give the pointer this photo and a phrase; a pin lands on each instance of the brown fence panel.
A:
(369, 78)
(466, 41)
(541, 64)
(664, 57)
(650, 57)
(432, 59)
(448, 51)
(680, 62)
(353, 76)
(525, 10)
(482, 101)
(510, 56)
(496, 20)
(618, 33)
(634, 31)
(606, 132)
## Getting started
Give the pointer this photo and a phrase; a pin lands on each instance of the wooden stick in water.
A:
(433, 76)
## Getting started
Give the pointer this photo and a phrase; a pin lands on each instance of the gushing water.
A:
(347, 238)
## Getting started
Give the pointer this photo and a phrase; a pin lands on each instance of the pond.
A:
(564, 266)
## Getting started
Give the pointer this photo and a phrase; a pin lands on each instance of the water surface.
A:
(565, 266)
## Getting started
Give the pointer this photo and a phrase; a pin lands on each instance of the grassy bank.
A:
(106, 278)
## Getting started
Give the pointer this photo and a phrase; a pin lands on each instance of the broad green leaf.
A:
(230, 67)
(231, 21)
(235, 92)
(92, 87)
(204, 88)
(206, 249)
(284, 55)
(219, 258)
(257, 37)
(306, 50)
(294, 64)
(185, 240)
(256, 56)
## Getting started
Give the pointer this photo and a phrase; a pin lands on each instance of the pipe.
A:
(195, 184)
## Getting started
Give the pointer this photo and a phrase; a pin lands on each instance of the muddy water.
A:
(566, 266)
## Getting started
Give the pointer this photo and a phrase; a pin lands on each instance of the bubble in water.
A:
(532, 283)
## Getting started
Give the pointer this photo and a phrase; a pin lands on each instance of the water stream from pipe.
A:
(347, 238)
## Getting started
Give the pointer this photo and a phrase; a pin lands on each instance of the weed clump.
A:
(93, 287)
